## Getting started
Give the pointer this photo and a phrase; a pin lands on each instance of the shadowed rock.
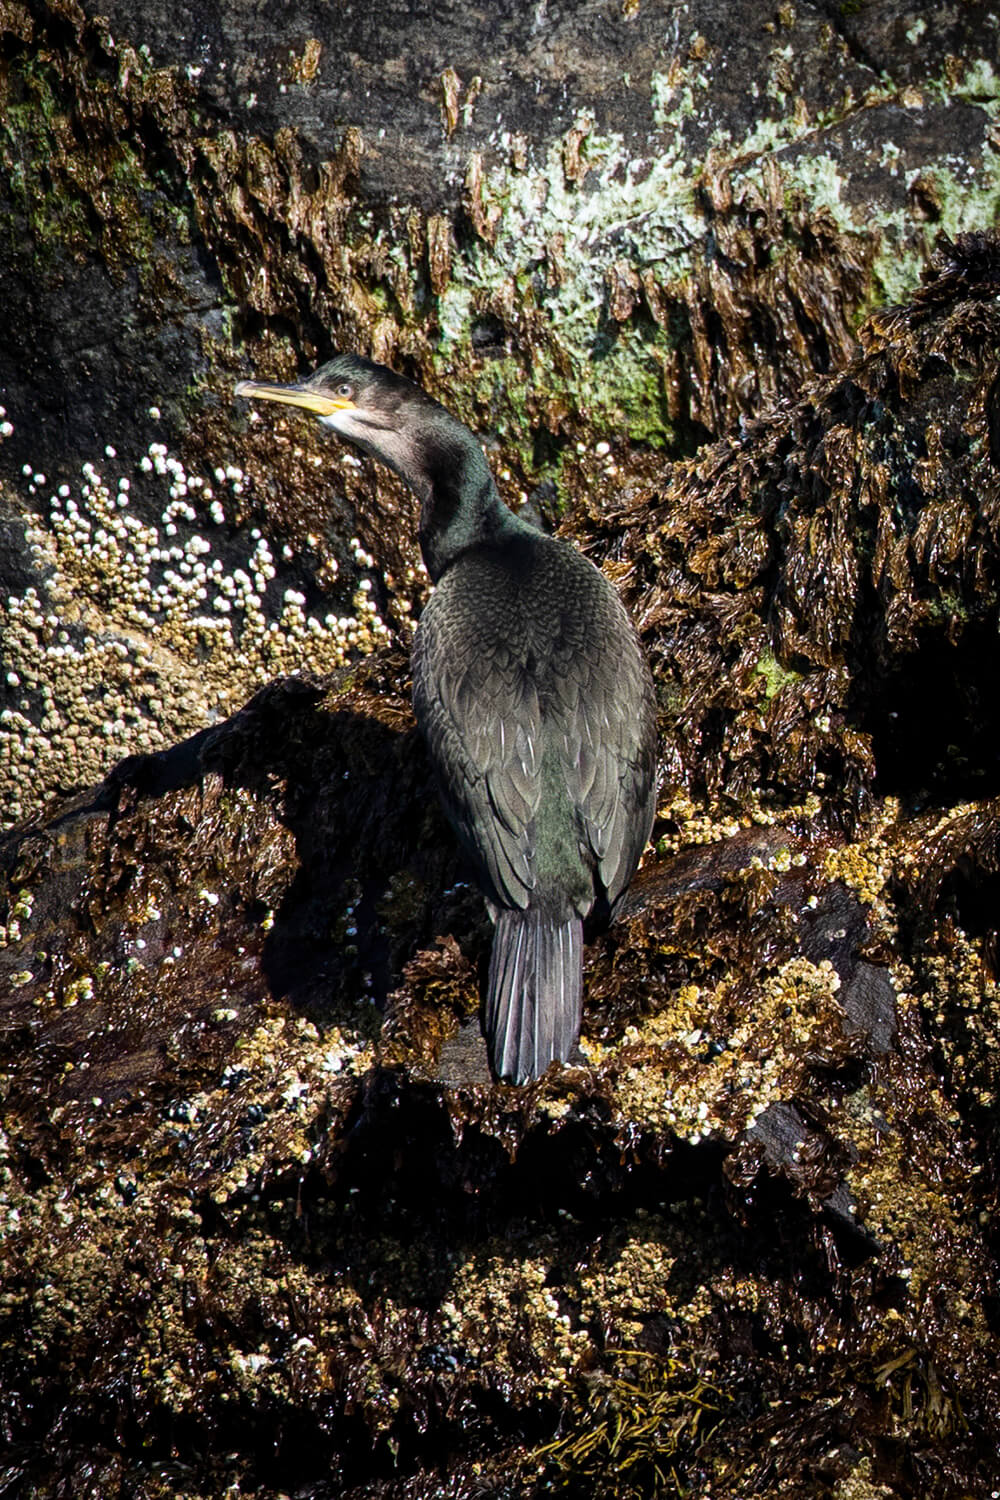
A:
(265, 1225)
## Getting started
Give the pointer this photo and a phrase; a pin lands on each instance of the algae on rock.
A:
(266, 1223)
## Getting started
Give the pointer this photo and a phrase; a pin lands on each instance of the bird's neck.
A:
(461, 508)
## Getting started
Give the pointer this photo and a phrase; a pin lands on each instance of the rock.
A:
(267, 1223)
(702, 228)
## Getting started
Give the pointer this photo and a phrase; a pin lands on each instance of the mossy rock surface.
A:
(270, 1224)
(716, 289)
(629, 225)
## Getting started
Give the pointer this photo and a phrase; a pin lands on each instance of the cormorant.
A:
(534, 697)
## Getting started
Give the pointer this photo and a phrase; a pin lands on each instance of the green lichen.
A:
(558, 230)
(775, 676)
(967, 198)
(99, 200)
(648, 206)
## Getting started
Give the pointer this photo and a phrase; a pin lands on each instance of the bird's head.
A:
(381, 412)
(396, 422)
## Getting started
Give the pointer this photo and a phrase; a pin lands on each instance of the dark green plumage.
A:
(535, 700)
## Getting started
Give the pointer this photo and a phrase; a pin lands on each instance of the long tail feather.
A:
(534, 993)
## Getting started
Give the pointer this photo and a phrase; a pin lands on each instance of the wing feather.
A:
(610, 761)
(481, 716)
(501, 692)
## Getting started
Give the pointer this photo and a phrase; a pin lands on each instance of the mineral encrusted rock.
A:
(267, 1226)
(696, 206)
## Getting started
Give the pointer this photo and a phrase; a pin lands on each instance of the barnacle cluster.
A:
(147, 629)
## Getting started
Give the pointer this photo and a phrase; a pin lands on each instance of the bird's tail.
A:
(534, 992)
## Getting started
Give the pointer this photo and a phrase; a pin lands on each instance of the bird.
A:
(534, 697)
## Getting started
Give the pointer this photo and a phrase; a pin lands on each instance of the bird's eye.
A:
(345, 391)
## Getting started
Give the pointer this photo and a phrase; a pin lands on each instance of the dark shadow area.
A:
(197, 911)
(972, 895)
(419, 1183)
(424, 1165)
(359, 798)
(935, 721)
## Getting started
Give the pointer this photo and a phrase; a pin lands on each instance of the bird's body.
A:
(535, 700)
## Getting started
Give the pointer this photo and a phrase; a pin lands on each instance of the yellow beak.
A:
(294, 395)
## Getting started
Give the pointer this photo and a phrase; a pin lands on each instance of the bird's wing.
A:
(610, 754)
(480, 714)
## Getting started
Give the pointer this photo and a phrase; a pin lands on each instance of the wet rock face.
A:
(697, 209)
(267, 1224)
(840, 556)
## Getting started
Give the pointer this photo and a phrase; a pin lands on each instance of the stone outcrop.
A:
(268, 1227)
